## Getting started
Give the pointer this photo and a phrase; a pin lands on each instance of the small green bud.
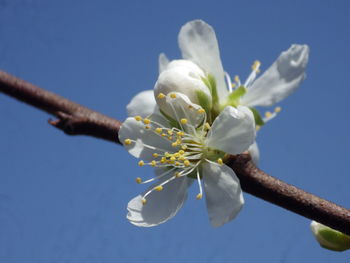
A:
(329, 238)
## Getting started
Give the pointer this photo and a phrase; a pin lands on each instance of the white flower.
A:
(186, 150)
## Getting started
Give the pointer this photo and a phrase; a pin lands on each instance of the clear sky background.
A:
(63, 199)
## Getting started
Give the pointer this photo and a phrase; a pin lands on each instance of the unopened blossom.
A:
(186, 150)
(330, 238)
(185, 77)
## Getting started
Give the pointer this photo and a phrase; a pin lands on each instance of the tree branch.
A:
(75, 119)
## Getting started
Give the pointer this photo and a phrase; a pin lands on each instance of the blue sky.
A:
(63, 199)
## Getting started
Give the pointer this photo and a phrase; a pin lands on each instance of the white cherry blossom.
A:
(183, 150)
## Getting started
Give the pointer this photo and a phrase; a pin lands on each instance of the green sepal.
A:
(172, 122)
(210, 82)
(258, 120)
(234, 96)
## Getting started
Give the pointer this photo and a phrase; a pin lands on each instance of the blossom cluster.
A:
(194, 118)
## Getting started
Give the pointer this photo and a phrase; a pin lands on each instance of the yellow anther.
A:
(138, 180)
(207, 126)
(199, 196)
(163, 134)
(256, 65)
(174, 144)
(220, 161)
(278, 109)
(268, 114)
(257, 127)
(182, 158)
(144, 201)
(177, 174)
(163, 160)
(184, 147)
(173, 95)
(190, 107)
(167, 154)
(138, 118)
(170, 138)
(170, 132)
(155, 155)
(141, 163)
(161, 96)
(158, 188)
(147, 127)
(233, 85)
(127, 141)
(146, 121)
(153, 163)
(172, 158)
(177, 155)
(186, 162)
(181, 152)
(183, 121)
(237, 78)
(177, 163)
(171, 162)
(201, 111)
(158, 130)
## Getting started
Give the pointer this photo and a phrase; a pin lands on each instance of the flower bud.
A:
(185, 77)
(329, 238)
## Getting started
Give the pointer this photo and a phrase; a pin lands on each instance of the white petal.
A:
(233, 131)
(198, 43)
(254, 153)
(161, 206)
(192, 67)
(223, 193)
(146, 142)
(143, 104)
(280, 80)
(163, 62)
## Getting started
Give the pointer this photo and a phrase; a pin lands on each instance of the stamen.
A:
(155, 155)
(158, 130)
(147, 127)
(173, 95)
(201, 111)
(268, 114)
(200, 195)
(256, 66)
(146, 121)
(183, 121)
(138, 180)
(278, 109)
(153, 163)
(141, 163)
(220, 161)
(127, 141)
(161, 96)
(138, 118)
(144, 201)
(158, 188)
(186, 162)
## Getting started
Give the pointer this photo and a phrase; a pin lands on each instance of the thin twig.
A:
(75, 119)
